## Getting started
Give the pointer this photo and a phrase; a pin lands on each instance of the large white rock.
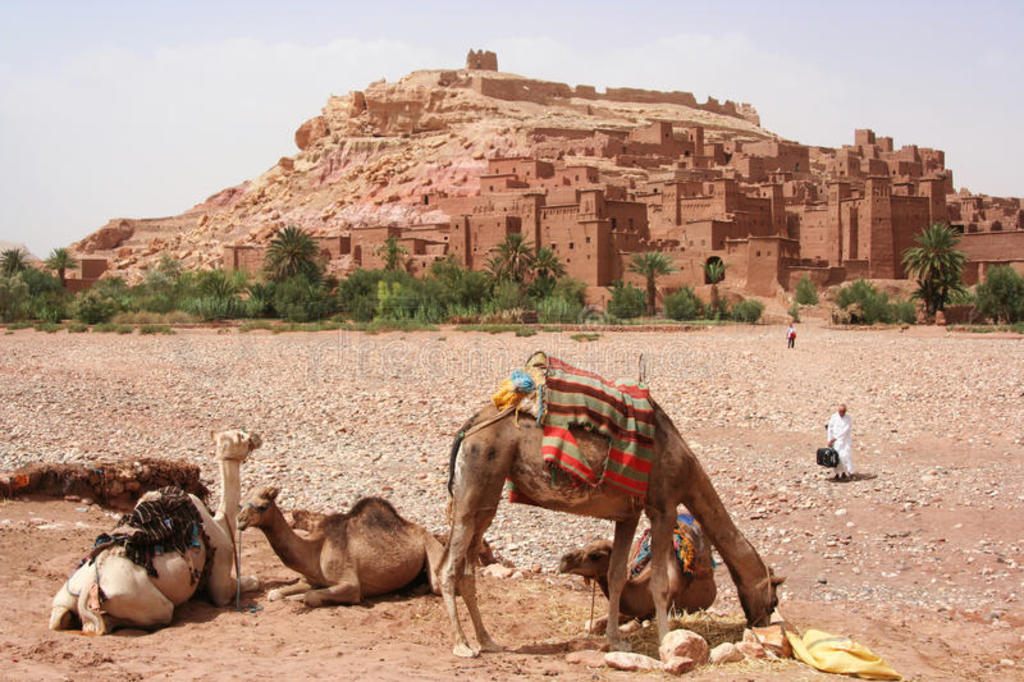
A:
(623, 660)
(684, 644)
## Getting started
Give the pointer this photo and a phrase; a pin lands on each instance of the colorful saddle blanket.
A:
(621, 412)
(687, 539)
(167, 521)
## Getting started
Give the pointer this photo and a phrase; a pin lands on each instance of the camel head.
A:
(235, 444)
(254, 509)
(759, 606)
(589, 562)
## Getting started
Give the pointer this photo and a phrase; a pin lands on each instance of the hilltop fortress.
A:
(451, 162)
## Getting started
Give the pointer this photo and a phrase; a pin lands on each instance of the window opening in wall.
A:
(588, 238)
(572, 245)
(613, 223)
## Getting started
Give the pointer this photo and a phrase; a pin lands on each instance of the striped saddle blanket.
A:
(621, 412)
(687, 540)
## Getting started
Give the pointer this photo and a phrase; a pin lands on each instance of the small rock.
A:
(498, 571)
(726, 652)
(622, 660)
(679, 665)
(751, 650)
(587, 657)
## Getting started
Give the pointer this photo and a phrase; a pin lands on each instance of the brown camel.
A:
(494, 446)
(369, 551)
(687, 592)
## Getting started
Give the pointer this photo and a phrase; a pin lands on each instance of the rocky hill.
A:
(371, 155)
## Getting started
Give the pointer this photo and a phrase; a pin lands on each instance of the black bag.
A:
(828, 457)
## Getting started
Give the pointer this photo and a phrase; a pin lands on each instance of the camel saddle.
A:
(569, 397)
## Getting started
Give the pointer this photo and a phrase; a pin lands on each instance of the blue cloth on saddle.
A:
(685, 551)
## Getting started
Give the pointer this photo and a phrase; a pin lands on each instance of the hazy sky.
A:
(142, 109)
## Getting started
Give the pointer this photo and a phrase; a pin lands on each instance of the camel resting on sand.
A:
(688, 592)
(110, 590)
(492, 447)
(369, 551)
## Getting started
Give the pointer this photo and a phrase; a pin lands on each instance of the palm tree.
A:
(61, 260)
(514, 259)
(651, 265)
(714, 272)
(292, 252)
(936, 264)
(546, 264)
(13, 261)
(392, 253)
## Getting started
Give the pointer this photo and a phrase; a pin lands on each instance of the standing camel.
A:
(110, 590)
(494, 446)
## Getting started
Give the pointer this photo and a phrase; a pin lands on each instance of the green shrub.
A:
(558, 309)
(48, 327)
(627, 301)
(683, 305)
(1001, 296)
(156, 329)
(255, 324)
(806, 292)
(526, 331)
(109, 327)
(298, 299)
(748, 310)
(865, 304)
(211, 307)
(95, 306)
(794, 311)
(14, 326)
(585, 336)
(77, 327)
(14, 298)
(905, 312)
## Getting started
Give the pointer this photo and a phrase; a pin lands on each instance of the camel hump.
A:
(376, 513)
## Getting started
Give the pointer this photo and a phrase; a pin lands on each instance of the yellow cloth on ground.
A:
(833, 654)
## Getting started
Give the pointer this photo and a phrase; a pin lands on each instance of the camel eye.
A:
(594, 556)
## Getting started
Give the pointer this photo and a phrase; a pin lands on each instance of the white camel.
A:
(112, 591)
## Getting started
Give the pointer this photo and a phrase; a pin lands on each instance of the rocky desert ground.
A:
(921, 558)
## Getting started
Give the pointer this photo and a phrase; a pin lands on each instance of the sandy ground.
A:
(920, 558)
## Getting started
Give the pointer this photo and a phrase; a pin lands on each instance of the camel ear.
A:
(778, 580)
(273, 491)
(213, 436)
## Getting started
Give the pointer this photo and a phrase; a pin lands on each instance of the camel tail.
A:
(454, 453)
(452, 456)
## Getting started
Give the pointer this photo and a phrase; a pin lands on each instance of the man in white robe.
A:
(840, 437)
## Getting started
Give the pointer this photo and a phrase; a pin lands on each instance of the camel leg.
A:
(342, 593)
(617, 578)
(473, 510)
(483, 521)
(662, 525)
(279, 593)
(434, 551)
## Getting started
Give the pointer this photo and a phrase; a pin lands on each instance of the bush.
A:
(627, 301)
(298, 299)
(13, 298)
(683, 305)
(555, 309)
(583, 337)
(108, 327)
(77, 327)
(48, 327)
(865, 304)
(806, 292)
(794, 311)
(155, 329)
(905, 312)
(95, 306)
(748, 310)
(1001, 297)
(210, 308)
